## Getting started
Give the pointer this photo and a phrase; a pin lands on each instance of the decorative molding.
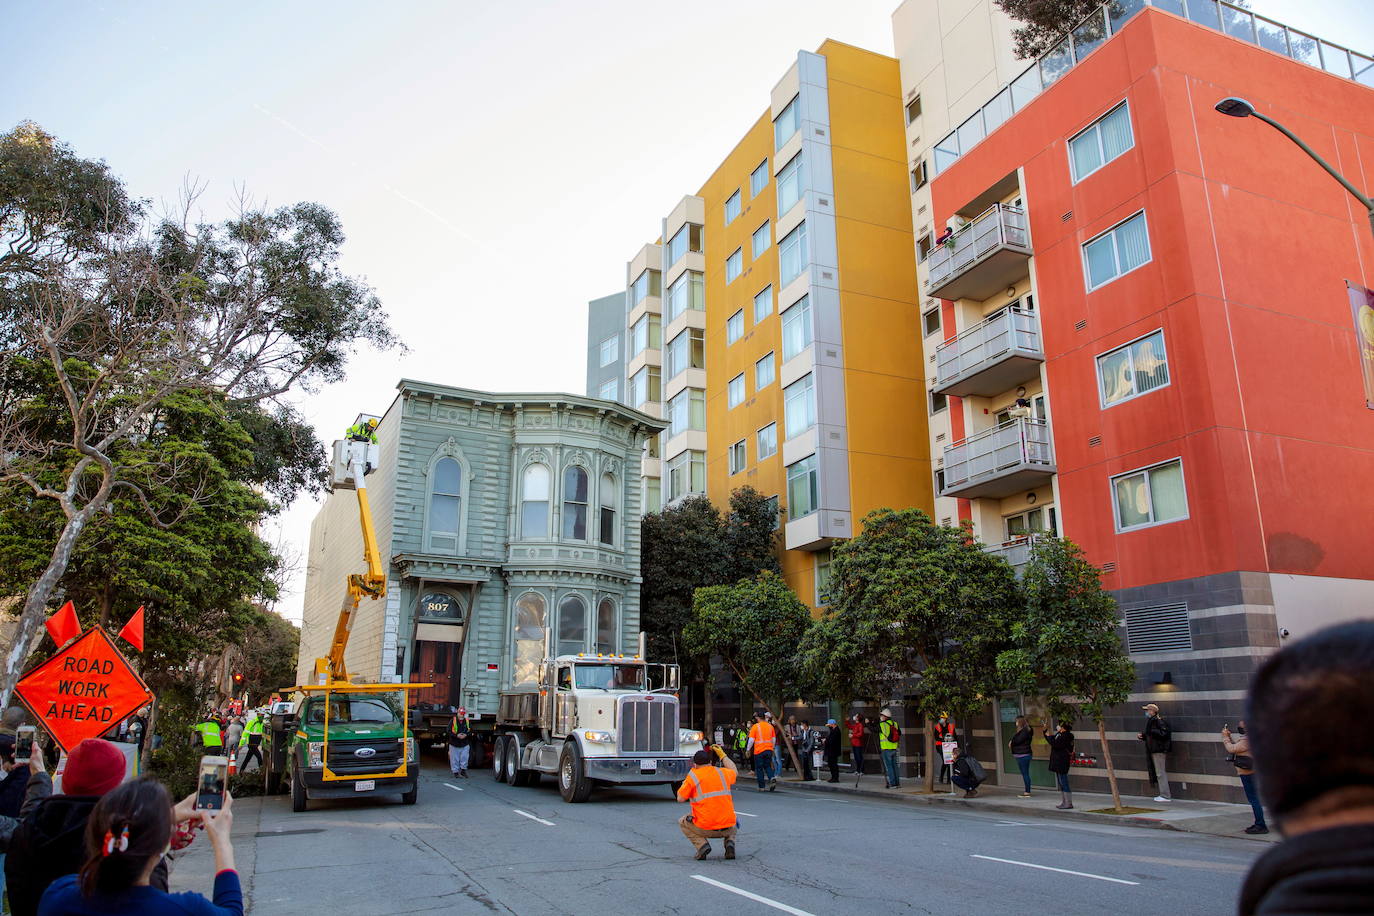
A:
(452, 569)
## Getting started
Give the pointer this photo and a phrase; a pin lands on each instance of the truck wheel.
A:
(409, 798)
(498, 759)
(573, 783)
(511, 761)
(297, 790)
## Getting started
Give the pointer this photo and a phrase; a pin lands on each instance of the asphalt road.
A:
(486, 847)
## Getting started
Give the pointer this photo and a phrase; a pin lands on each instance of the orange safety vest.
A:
(708, 789)
(762, 733)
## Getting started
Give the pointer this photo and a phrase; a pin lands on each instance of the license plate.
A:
(364, 785)
(648, 766)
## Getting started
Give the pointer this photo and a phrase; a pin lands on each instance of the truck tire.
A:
(573, 783)
(498, 759)
(517, 775)
(297, 790)
(409, 798)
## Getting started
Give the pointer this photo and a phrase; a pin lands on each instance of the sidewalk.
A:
(193, 869)
(1214, 818)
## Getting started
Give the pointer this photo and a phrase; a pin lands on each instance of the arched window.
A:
(529, 623)
(572, 626)
(607, 496)
(605, 626)
(445, 503)
(575, 504)
(534, 512)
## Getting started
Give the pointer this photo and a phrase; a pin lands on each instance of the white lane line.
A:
(533, 818)
(453, 787)
(1062, 871)
(743, 893)
(742, 814)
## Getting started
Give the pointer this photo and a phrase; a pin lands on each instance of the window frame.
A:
(803, 305)
(758, 441)
(734, 265)
(1083, 251)
(566, 501)
(754, 249)
(925, 321)
(799, 233)
(734, 327)
(816, 565)
(459, 497)
(758, 179)
(810, 388)
(738, 455)
(920, 175)
(615, 390)
(558, 639)
(813, 473)
(760, 315)
(733, 400)
(613, 342)
(607, 502)
(1097, 360)
(525, 500)
(770, 361)
(737, 199)
(911, 118)
(1145, 469)
(792, 114)
(790, 172)
(1096, 125)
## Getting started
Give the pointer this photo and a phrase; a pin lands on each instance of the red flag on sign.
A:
(133, 630)
(63, 626)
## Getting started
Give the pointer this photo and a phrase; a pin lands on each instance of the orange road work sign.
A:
(84, 690)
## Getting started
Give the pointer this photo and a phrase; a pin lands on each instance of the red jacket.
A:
(856, 734)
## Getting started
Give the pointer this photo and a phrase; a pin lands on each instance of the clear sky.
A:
(494, 164)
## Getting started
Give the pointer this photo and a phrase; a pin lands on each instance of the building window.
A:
(760, 239)
(732, 207)
(610, 389)
(913, 110)
(931, 321)
(651, 445)
(763, 303)
(938, 402)
(799, 405)
(1150, 496)
(789, 185)
(1101, 142)
(607, 498)
(653, 494)
(606, 642)
(610, 350)
(923, 246)
(758, 179)
(1119, 250)
(686, 239)
(792, 255)
(823, 578)
(739, 457)
(767, 441)
(787, 123)
(919, 176)
(735, 391)
(575, 504)
(796, 328)
(685, 351)
(734, 327)
(1134, 369)
(687, 292)
(686, 474)
(649, 283)
(645, 386)
(528, 637)
(772, 503)
(572, 625)
(646, 334)
(803, 491)
(445, 503)
(763, 372)
(1039, 520)
(534, 506)
(734, 265)
(686, 410)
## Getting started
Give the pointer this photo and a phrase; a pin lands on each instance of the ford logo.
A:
(365, 752)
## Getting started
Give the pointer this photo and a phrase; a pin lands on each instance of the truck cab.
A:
(594, 719)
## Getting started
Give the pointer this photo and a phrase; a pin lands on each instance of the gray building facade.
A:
(498, 515)
(606, 347)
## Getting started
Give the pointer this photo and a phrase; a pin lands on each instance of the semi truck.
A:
(594, 719)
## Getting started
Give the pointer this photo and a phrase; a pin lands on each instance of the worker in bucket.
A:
(707, 787)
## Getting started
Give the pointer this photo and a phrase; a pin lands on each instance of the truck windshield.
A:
(611, 677)
(377, 709)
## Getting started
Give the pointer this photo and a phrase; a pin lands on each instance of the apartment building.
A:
(1138, 334)
(774, 325)
(606, 347)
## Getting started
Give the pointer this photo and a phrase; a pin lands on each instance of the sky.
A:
(494, 165)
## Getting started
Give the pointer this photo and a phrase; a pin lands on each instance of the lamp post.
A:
(1240, 108)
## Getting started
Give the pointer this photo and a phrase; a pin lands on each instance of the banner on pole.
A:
(1362, 310)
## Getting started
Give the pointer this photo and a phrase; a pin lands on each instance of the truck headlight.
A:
(314, 753)
(689, 737)
(599, 737)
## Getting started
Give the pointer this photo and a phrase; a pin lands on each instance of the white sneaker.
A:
(1161, 798)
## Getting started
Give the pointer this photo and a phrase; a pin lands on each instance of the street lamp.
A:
(1240, 108)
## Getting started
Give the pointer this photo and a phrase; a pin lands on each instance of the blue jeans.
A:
(764, 762)
(1063, 780)
(858, 754)
(1023, 764)
(1247, 782)
(967, 785)
(890, 766)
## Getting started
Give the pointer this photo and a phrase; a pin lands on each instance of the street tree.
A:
(107, 322)
(754, 626)
(268, 656)
(751, 535)
(925, 601)
(1044, 22)
(1065, 645)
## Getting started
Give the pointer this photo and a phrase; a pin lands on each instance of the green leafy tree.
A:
(268, 656)
(751, 535)
(924, 600)
(754, 625)
(1045, 22)
(1065, 646)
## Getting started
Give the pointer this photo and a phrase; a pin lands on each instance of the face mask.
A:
(1240, 729)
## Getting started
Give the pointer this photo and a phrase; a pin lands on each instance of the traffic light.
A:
(238, 678)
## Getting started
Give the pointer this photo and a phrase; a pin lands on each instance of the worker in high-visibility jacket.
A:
(763, 741)
(210, 734)
(252, 731)
(363, 432)
(707, 787)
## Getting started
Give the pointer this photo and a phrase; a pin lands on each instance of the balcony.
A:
(995, 354)
(982, 258)
(998, 462)
(1017, 551)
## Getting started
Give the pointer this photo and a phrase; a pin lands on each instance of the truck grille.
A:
(343, 759)
(648, 725)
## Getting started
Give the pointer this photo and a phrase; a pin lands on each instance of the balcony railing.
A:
(1107, 20)
(990, 357)
(1016, 551)
(983, 257)
(997, 462)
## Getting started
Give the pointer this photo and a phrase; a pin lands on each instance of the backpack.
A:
(976, 769)
(894, 731)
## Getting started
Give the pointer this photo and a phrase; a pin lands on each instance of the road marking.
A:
(743, 893)
(453, 787)
(1012, 824)
(1062, 871)
(742, 814)
(533, 818)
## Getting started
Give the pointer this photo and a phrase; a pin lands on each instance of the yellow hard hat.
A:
(372, 422)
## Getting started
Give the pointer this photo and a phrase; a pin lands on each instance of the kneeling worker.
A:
(707, 787)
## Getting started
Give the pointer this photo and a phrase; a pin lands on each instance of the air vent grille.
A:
(1161, 628)
(1094, 441)
(1068, 215)
(1080, 325)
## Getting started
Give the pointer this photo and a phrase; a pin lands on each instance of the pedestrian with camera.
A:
(707, 788)
(1158, 738)
(1238, 755)
(1061, 758)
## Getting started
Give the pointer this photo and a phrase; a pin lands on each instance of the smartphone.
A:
(23, 744)
(214, 773)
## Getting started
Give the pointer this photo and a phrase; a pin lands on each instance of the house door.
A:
(437, 663)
